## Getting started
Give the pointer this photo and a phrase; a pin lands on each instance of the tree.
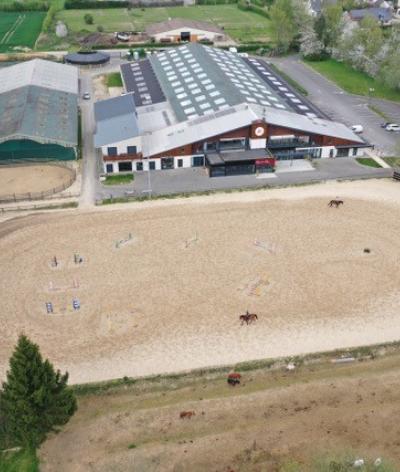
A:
(88, 19)
(34, 399)
(283, 29)
(329, 25)
(310, 46)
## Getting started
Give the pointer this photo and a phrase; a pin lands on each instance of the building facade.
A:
(198, 106)
(184, 30)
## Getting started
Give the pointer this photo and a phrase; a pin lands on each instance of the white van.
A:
(357, 129)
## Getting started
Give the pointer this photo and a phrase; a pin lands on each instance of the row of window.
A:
(166, 163)
(113, 151)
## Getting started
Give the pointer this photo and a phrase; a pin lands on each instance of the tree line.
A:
(365, 45)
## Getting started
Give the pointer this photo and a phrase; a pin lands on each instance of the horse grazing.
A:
(186, 414)
(248, 318)
(335, 203)
(234, 378)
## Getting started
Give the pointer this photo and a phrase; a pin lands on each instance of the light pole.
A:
(145, 147)
(371, 90)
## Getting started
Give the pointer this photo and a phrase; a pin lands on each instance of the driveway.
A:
(165, 182)
(342, 106)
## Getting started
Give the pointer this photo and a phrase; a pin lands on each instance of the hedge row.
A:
(215, 2)
(253, 8)
(91, 4)
(24, 6)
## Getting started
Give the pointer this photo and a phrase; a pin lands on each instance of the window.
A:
(180, 162)
(125, 166)
(112, 151)
(139, 165)
(152, 165)
(109, 168)
(354, 151)
(131, 149)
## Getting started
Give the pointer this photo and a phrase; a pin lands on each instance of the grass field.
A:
(353, 81)
(19, 29)
(240, 25)
(114, 79)
(21, 461)
(367, 161)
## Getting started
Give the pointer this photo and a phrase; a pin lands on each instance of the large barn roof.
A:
(38, 101)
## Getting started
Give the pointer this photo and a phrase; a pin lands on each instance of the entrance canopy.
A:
(251, 156)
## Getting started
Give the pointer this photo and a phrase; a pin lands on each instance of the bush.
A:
(253, 8)
(92, 4)
(100, 29)
(88, 19)
(24, 6)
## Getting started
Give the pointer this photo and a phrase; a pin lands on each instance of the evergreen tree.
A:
(34, 399)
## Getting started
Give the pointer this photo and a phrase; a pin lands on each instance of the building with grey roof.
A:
(184, 29)
(195, 101)
(383, 15)
(39, 110)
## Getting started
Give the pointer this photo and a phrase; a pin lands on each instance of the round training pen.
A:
(88, 58)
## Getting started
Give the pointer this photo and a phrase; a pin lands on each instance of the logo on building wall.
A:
(259, 131)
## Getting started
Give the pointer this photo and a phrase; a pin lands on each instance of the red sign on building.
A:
(268, 161)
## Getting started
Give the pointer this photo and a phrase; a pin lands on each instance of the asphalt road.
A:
(89, 168)
(196, 179)
(341, 106)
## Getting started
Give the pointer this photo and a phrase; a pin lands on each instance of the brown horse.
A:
(248, 318)
(335, 203)
(186, 414)
(234, 378)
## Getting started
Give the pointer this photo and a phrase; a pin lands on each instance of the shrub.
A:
(88, 19)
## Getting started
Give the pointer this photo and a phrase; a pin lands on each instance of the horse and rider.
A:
(248, 318)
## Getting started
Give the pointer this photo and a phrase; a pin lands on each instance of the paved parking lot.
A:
(196, 179)
(341, 106)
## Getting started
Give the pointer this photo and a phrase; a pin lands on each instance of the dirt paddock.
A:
(162, 286)
(32, 178)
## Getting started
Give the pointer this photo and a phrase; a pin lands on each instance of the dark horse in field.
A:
(248, 318)
(335, 203)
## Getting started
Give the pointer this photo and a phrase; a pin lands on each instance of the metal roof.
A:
(87, 58)
(380, 14)
(181, 23)
(46, 74)
(198, 80)
(237, 117)
(116, 120)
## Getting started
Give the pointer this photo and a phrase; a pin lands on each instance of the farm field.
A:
(240, 25)
(19, 29)
(161, 285)
(274, 421)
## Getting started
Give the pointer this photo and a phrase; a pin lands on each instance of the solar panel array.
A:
(243, 78)
(295, 101)
(188, 84)
(139, 78)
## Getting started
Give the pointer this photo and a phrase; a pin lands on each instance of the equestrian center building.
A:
(39, 111)
(195, 105)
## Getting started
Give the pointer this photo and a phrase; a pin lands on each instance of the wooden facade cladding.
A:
(245, 133)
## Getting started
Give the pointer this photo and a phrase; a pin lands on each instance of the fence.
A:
(46, 194)
(396, 175)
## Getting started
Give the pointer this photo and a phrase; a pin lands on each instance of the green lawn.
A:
(367, 161)
(353, 81)
(114, 79)
(241, 25)
(118, 179)
(22, 461)
(392, 161)
(19, 29)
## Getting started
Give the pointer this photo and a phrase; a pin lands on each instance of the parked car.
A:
(392, 127)
(383, 125)
(357, 129)
(86, 96)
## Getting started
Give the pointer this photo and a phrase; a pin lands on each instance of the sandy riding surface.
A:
(169, 298)
(35, 178)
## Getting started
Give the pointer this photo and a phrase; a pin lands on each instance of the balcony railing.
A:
(287, 143)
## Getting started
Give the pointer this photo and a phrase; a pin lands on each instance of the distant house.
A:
(383, 15)
(315, 6)
(182, 30)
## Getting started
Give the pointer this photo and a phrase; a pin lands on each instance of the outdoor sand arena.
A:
(170, 297)
(32, 178)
